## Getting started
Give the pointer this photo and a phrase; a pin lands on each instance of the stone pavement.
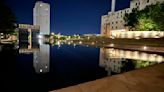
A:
(150, 79)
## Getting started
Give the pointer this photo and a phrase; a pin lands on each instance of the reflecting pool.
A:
(43, 68)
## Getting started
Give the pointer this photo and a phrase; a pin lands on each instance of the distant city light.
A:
(52, 33)
(93, 43)
(80, 42)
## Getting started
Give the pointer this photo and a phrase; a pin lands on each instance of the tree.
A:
(7, 19)
(149, 19)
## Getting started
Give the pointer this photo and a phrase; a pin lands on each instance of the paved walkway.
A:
(150, 79)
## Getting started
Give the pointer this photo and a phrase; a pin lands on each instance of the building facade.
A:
(41, 17)
(28, 35)
(114, 20)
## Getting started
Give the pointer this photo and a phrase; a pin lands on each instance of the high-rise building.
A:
(41, 17)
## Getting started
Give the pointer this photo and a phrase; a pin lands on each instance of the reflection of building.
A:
(114, 20)
(41, 59)
(117, 61)
(111, 62)
(28, 35)
(41, 17)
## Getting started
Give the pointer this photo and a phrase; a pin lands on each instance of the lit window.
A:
(41, 5)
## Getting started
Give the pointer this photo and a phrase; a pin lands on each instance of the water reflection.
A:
(117, 61)
(41, 56)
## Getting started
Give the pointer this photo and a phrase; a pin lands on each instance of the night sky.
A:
(68, 16)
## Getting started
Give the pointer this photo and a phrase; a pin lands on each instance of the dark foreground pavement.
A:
(150, 79)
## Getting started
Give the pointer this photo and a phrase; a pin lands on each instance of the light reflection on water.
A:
(117, 61)
(70, 62)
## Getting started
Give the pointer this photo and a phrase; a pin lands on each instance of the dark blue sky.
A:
(68, 16)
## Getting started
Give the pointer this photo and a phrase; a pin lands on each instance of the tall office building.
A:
(41, 17)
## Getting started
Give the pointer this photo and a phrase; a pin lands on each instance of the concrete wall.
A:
(138, 34)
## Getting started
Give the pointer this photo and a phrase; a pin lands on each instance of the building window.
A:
(112, 22)
(116, 22)
(116, 27)
(136, 4)
(112, 27)
(147, 1)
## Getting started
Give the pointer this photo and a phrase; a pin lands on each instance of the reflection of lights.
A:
(74, 45)
(58, 42)
(40, 36)
(41, 70)
(80, 42)
(46, 66)
(144, 47)
(40, 41)
(111, 45)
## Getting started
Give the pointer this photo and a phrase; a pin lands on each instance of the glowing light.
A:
(69, 43)
(144, 47)
(112, 45)
(40, 36)
(41, 5)
(80, 42)
(40, 41)
(93, 43)
(41, 70)
(46, 66)
(52, 33)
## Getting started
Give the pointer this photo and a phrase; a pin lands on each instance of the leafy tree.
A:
(7, 19)
(148, 19)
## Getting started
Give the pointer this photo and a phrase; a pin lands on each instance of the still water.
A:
(43, 68)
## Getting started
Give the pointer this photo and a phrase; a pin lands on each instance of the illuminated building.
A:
(41, 17)
(114, 20)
